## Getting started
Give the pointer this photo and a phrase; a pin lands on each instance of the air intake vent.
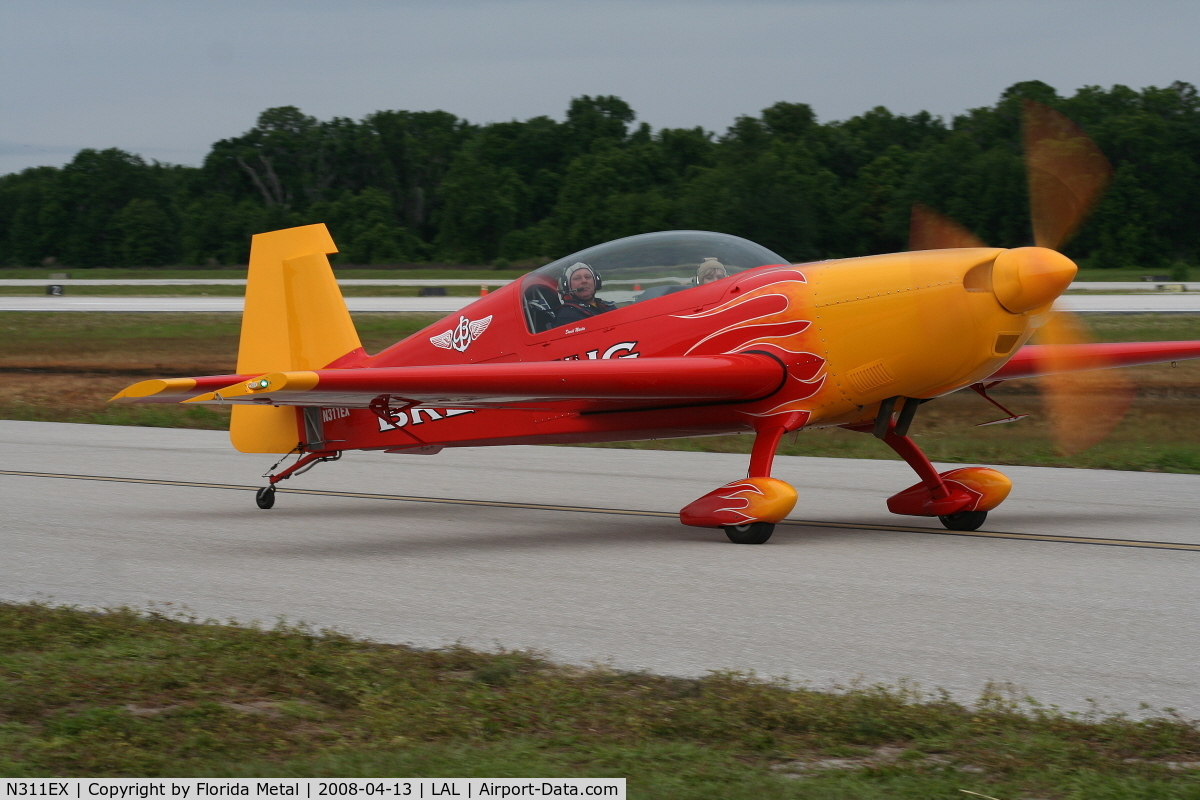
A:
(978, 278)
(870, 377)
(1005, 342)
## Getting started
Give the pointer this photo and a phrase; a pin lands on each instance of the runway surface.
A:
(853, 592)
(1101, 303)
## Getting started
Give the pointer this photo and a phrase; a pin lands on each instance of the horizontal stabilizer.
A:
(1055, 359)
(690, 379)
(174, 390)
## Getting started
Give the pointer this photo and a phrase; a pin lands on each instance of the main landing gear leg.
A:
(762, 457)
(907, 449)
(762, 454)
(747, 510)
(960, 498)
(265, 497)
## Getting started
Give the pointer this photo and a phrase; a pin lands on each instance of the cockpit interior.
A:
(641, 268)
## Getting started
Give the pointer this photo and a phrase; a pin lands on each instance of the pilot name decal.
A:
(612, 352)
(460, 337)
(414, 416)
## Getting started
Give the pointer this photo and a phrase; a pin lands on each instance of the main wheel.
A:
(750, 533)
(265, 497)
(964, 520)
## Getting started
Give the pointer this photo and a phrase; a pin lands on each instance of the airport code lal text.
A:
(415, 788)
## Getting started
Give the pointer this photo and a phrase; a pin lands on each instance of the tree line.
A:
(421, 186)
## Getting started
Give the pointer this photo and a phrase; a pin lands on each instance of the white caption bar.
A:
(415, 788)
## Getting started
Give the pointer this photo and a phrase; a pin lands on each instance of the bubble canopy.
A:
(643, 267)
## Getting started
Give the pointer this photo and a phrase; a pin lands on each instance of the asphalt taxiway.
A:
(1083, 585)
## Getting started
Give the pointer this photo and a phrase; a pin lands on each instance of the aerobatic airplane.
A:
(686, 333)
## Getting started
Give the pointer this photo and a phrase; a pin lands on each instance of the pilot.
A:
(710, 270)
(578, 286)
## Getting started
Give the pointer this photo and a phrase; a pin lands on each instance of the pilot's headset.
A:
(564, 280)
(710, 265)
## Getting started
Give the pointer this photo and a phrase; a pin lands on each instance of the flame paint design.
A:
(971, 489)
(987, 487)
(767, 324)
(741, 502)
(797, 397)
(766, 319)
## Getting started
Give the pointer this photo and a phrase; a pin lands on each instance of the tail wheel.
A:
(750, 533)
(964, 520)
(265, 497)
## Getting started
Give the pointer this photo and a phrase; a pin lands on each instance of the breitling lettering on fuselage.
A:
(619, 350)
(416, 416)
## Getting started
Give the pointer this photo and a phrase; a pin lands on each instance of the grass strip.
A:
(159, 693)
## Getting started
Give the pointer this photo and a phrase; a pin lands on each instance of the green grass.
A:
(57, 367)
(1143, 327)
(121, 693)
(148, 416)
(108, 339)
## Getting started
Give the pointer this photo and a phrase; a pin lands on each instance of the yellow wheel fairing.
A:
(990, 485)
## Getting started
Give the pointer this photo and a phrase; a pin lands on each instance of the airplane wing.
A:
(1054, 359)
(612, 383)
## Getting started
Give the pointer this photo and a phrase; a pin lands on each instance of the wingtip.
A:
(153, 388)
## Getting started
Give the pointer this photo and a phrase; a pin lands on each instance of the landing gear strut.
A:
(748, 509)
(265, 497)
(959, 498)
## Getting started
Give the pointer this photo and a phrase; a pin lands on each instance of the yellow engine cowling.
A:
(925, 323)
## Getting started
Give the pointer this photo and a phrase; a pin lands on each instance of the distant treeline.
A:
(406, 186)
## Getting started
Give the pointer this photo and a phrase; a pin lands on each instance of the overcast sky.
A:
(167, 78)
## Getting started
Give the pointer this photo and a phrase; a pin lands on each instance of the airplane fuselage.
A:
(851, 333)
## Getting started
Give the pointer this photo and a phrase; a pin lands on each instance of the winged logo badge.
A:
(460, 337)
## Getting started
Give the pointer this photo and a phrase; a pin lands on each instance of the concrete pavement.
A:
(821, 604)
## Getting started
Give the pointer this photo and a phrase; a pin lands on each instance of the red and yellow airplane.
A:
(682, 333)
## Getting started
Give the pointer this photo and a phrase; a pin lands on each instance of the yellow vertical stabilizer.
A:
(294, 319)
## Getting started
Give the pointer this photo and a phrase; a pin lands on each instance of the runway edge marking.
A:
(1030, 537)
